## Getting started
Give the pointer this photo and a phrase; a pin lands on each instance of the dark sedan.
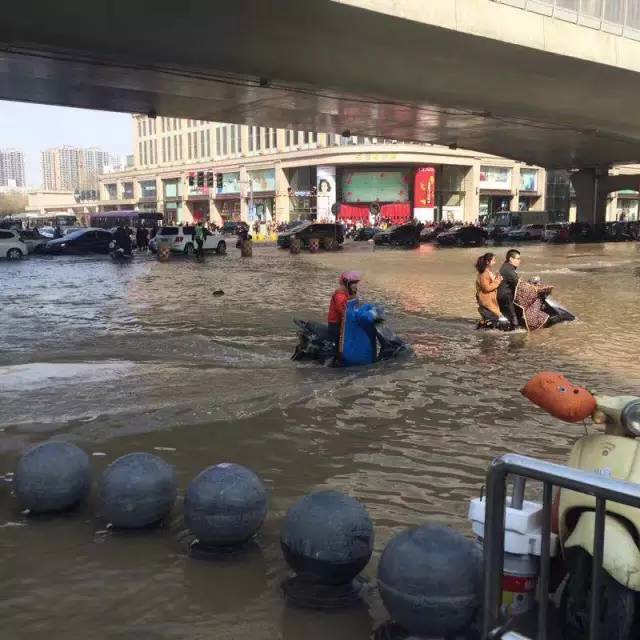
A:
(312, 230)
(460, 236)
(365, 233)
(402, 235)
(81, 241)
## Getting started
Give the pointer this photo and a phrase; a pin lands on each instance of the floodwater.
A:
(144, 357)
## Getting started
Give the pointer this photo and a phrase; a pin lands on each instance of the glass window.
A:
(274, 138)
(144, 127)
(112, 191)
(614, 11)
(238, 139)
(289, 138)
(232, 139)
(202, 146)
(171, 189)
(208, 143)
(313, 137)
(148, 188)
(571, 5)
(139, 128)
(162, 124)
(225, 150)
(127, 190)
(140, 152)
(306, 137)
(195, 144)
(452, 179)
(259, 131)
(164, 149)
(591, 8)
(528, 180)
(252, 134)
(217, 134)
(175, 147)
(169, 149)
(155, 151)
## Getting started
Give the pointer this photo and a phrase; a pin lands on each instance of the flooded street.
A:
(144, 357)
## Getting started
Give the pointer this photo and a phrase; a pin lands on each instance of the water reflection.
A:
(148, 359)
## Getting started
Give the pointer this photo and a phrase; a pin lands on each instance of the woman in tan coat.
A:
(487, 284)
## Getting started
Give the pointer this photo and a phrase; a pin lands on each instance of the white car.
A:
(11, 245)
(527, 232)
(183, 240)
(551, 230)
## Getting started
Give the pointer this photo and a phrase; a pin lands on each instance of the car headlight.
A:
(631, 417)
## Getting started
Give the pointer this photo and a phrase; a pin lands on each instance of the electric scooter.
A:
(614, 454)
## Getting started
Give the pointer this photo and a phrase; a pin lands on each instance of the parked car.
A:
(401, 235)
(81, 241)
(463, 236)
(33, 239)
(430, 232)
(183, 240)
(527, 232)
(365, 234)
(312, 230)
(552, 229)
(11, 245)
(229, 228)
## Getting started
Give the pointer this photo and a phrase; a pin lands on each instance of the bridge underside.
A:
(324, 66)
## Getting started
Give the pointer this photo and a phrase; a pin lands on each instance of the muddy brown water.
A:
(143, 357)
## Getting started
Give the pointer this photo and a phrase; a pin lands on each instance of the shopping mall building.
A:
(190, 169)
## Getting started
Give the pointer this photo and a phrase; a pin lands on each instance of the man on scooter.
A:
(507, 288)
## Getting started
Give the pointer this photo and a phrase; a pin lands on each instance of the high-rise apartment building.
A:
(73, 169)
(12, 171)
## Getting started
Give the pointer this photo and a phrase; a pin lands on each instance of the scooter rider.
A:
(347, 291)
(123, 240)
(507, 288)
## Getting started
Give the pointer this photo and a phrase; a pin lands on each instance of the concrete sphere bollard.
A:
(137, 490)
(327, 538)
(52, 476)
(429, 579)
(225, 505)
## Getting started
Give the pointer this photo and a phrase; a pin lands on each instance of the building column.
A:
(244, 194)
(515, 189)
(472, 193)
(281, 141)
(590, 198)
(282, 201)
(160, 196)
(214, 213)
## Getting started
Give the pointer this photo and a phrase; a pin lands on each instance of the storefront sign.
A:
(495, 178)
(230, 183)
(326, 196)
(424, 194)
(263, 179)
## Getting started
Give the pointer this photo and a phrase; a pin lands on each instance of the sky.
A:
(33, 127)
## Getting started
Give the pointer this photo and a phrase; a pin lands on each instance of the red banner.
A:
(424, 193)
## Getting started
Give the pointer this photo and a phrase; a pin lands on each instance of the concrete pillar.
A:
(281, 141)
(515, 188)
(244, 143)
(540, 203)
(323, 140)
(214, 213)
(472, 193)
(244, 194)
(281, 204)
(590, 198)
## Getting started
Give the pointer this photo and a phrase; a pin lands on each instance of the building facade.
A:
(12, 173)
(76, 169)
(190, 169)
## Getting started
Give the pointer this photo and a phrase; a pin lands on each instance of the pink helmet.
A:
(350, 276)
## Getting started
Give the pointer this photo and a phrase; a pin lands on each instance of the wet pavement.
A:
(143, 357)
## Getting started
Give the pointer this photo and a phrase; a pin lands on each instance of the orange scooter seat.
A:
(555, 394)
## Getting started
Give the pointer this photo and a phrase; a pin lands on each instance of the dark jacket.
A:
(507, 292)
(509, 280)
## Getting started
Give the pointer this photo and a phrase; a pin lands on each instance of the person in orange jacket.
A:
(347, 291)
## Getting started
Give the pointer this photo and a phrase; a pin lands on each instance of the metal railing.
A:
(619, 17)
(550, 475)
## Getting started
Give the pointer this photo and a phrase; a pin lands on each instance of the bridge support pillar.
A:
(591, 187)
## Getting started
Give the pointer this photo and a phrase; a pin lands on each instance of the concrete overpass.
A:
(478, 74)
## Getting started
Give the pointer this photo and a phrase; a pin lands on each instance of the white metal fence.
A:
(619, 17)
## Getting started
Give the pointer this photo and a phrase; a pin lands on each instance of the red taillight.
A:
(179, 239)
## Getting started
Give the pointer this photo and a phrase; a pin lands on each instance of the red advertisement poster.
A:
(425, 188)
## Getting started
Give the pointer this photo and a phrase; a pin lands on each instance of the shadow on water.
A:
(146, 358)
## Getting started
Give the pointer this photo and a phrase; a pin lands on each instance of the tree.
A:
(12, 202)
